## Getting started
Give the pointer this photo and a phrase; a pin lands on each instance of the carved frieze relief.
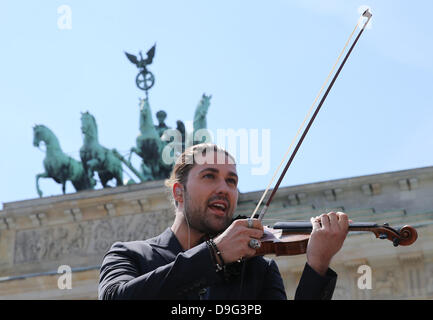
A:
(86, 238)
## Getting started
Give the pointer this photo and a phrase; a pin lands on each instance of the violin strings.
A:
(302, 125)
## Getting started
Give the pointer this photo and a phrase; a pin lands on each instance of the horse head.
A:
(204, 104)
(146, 122)
(200, 122)
(201, 111)
(144, 106)
(88, 125)
(43, 133)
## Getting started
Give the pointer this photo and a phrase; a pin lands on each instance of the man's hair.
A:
(187, 160)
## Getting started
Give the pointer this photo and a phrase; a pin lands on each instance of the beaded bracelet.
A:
(218, 252)
(212, 254)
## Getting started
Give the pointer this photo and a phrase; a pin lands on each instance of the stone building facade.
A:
(42, 239)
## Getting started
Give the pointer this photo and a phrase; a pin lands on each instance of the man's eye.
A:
(209, 176)
(232, 181)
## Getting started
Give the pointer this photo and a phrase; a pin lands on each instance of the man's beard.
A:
(198, 219)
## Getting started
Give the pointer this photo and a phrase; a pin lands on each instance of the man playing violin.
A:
(206, 254)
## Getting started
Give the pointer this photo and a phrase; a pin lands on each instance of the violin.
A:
(291, 238)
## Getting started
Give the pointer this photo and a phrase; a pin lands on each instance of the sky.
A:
(263, 62)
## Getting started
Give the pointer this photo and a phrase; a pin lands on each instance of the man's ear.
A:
(178, 192)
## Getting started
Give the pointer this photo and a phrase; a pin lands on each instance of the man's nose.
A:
(222, 187)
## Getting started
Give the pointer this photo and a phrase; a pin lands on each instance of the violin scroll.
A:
(408, 235)
(404, 236)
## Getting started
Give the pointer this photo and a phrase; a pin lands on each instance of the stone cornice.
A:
(403, 179)
(150, 187)
(85, 205)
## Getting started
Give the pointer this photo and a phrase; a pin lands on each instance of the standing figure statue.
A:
(200, 134)
(96, 157)
(58, 165)
(161, 127)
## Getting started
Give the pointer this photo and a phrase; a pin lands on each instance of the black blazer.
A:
(158, 268)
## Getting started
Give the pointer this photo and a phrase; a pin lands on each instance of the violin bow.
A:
(366, 14)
